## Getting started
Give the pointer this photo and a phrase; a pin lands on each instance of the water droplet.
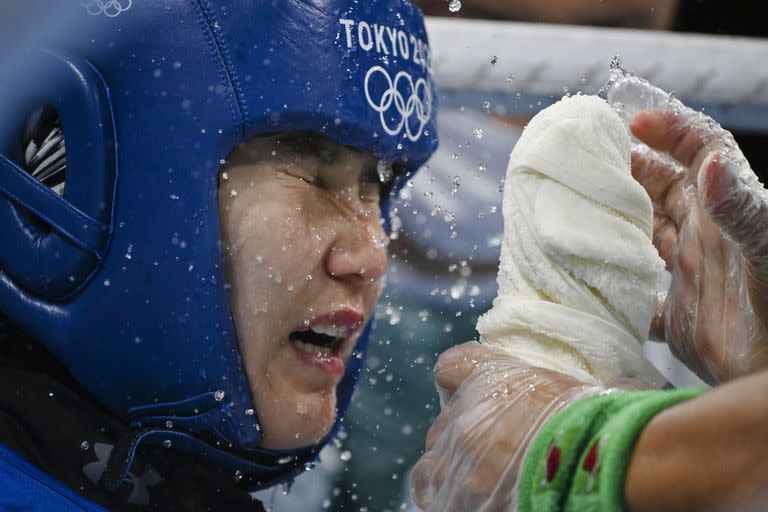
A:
(454, 5)
(385, 171)
(250, 412)
(393, 314)
(457, 290)
(478, 133)
(224, 176)
(486, 105)
(107, 282)
(494, 60)
(455, 185)
(167, 443)
(219, 395)
(510, 78)
(232, 193)
(238, 476)
(308, 277)
(345, 455)
(85, 445)
(169, 424)
(482, 167)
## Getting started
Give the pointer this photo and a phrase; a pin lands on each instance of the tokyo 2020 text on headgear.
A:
(121, 277)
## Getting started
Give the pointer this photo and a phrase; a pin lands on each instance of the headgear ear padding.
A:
(164, 91)
(55, 261)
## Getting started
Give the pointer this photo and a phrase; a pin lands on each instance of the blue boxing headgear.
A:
(121, 277)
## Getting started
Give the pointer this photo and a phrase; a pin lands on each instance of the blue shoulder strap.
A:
(25, 487)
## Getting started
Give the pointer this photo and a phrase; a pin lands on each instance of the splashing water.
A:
(628, 94)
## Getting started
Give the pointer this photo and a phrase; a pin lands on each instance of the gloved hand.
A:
(493, 405)
(711, 229)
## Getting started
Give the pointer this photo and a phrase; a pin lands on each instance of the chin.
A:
(302, 421)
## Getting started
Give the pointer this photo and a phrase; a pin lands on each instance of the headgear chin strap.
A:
(121, 278)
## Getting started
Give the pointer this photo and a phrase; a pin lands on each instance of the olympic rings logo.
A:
(411, 113)
(111, 8)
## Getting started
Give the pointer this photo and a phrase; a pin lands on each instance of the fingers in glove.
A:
(455, 364)
(659, 319)
(426, 480)
(683, 297)
(686, 136)
(437, 428)
(741, 211)
(664, 181)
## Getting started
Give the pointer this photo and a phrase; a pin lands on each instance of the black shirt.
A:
(46, 417)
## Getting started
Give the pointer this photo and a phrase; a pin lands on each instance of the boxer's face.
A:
(304, 255)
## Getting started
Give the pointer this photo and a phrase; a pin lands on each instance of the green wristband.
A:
(598, 481)
(560, 449)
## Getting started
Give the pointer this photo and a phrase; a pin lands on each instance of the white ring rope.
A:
(724, 74)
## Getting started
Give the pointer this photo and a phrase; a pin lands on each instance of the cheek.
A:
(272, 251)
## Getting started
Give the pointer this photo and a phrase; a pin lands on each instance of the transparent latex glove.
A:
(492, 407)
(711, 229)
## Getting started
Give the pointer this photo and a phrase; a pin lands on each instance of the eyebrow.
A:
(289, 145)
(309, 145)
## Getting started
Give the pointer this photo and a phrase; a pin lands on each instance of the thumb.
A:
(738, 206)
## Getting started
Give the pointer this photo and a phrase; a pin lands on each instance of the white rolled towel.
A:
(578, 271)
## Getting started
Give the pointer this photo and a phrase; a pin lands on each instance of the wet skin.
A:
(304, 250)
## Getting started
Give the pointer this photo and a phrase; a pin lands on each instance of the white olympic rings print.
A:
(418, 104)
(111, 8)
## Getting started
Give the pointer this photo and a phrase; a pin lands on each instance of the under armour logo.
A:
(139, 494)
(111, 8)
(401, 103)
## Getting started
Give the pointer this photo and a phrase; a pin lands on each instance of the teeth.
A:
(312, 349)
(330, 330)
